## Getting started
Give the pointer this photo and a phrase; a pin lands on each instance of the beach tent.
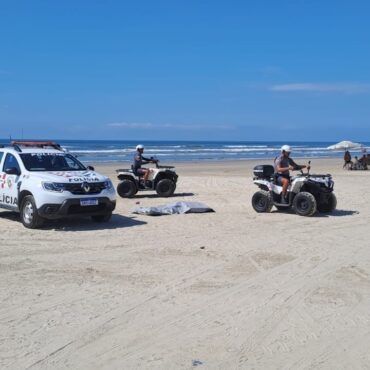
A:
(345, 145)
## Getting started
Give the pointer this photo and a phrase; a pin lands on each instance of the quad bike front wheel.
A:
(126, 188)
(165, 187)
(304, 204)
(262, 201)
(328, 206)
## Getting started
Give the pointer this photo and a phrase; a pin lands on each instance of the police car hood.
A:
(70, 176)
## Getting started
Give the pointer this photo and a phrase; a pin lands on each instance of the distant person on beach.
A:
(284, 164)
(139, 160)
(363, 161)
(347, 160)
(356, 164)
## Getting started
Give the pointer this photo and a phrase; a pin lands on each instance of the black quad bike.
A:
(162, 179)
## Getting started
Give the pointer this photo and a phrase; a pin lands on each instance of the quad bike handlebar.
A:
(152, 160)
(308, 169)
(168, 167)
(156, 161)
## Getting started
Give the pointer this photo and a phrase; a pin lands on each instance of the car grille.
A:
(78, 189)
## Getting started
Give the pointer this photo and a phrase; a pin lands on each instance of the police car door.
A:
(9, 177)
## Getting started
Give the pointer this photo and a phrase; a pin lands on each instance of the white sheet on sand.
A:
(173, 208)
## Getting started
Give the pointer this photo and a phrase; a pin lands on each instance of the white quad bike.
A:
(162, 179)
(307, 193)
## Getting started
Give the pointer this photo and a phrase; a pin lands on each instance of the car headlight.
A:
(53, 186)
(108, 185)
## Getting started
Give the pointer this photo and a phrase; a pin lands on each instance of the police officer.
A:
(284, 164)
(139, 160)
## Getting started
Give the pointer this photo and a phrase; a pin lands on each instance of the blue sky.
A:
(185, 70)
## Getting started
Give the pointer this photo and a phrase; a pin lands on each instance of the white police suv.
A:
(41, 181)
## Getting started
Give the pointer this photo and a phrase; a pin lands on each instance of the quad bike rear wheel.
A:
(262, 201)
(328, 206)
(304, 204)
(126, 188)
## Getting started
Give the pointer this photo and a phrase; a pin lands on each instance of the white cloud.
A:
(149, 125)
(131, 124)
(348, 88)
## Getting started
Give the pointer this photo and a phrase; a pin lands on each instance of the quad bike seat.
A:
(134, 172)
(275, 179)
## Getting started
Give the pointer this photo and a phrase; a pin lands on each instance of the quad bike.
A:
(307, 193)
(162, 179)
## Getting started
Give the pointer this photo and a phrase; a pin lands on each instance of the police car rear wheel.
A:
(29, 216)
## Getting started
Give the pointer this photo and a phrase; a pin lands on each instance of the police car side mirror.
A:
(12, 171)
(90, 168)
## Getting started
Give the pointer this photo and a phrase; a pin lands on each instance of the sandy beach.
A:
(226, 290)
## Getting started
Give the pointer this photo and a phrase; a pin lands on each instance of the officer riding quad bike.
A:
(162, 179)
(307, 193)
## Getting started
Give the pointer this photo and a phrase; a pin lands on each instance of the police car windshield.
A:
(51, 162)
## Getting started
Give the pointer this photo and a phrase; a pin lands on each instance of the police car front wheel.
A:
(29, 215)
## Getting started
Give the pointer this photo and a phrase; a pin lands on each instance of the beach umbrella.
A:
(345, 145)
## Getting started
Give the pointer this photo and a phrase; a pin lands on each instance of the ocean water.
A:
(95, 151)
(170, 151)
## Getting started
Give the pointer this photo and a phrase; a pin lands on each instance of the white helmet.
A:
(140, 146)
(286, 148)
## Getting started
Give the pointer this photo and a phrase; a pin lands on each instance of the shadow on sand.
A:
(81, 223)
(177, 195)
(336, 213)
(9, 215)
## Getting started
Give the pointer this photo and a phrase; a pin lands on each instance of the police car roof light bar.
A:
(16, 147)
(36, 144)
